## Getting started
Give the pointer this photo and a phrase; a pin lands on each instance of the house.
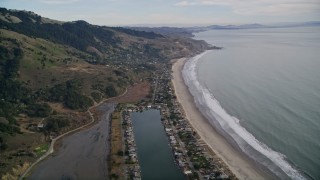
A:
(40, 126)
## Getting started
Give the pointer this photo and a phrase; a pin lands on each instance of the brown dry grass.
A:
(134, 93)
(11, 162)
(116, 161)
(16, 172)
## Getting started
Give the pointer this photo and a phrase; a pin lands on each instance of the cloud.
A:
(178, 19)
(186, 3)
(278, 9)
(58, 1)
(201, 2)
(263, 7)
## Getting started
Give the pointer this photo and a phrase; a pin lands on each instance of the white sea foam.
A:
(230, 125)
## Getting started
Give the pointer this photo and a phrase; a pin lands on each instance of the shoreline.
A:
(238, 163)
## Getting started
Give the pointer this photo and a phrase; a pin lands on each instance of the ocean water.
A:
(262, 92)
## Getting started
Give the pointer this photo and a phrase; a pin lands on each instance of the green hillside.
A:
(52, 71)
(106, 44)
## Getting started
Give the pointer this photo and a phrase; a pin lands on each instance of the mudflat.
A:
(82, 155)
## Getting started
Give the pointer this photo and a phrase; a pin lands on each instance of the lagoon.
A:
(154, 153)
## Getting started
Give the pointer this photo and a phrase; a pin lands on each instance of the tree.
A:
(54, 123)
(38, 110)
(111, 91)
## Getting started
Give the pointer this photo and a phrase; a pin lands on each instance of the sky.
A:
(172, 12)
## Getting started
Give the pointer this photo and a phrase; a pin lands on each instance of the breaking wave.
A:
(230, 127)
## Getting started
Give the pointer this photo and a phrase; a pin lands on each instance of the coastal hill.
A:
(188, 31)
(51, 72)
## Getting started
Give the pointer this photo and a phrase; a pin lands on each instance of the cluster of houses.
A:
(131, 159)
(178, 150)
(200, 160)
(163, 91)
(191, 154)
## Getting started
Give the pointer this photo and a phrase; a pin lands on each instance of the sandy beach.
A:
(239, 164)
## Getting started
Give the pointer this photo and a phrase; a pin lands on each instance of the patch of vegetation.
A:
(148, 35)
(40, 150)
(96, 96)
(148, 67)
(119, 73)
(120, 153)
(75, 100)
(38, 110)
(69, 94)
(55, 123)
(3, 144)
(13, 95)
(99, 86)
(111, 91)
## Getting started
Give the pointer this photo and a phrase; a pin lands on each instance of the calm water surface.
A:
(268, 81)
(154, 153)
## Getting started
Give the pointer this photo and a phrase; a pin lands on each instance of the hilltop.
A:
(51, 72)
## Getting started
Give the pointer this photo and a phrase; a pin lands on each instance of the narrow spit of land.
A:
(240, 165)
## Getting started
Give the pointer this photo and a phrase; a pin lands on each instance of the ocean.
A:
(262, 92)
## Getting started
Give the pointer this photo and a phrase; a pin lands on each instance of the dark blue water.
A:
(263, 90)
(154, 153)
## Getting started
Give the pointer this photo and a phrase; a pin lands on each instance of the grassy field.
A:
(41, 149)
